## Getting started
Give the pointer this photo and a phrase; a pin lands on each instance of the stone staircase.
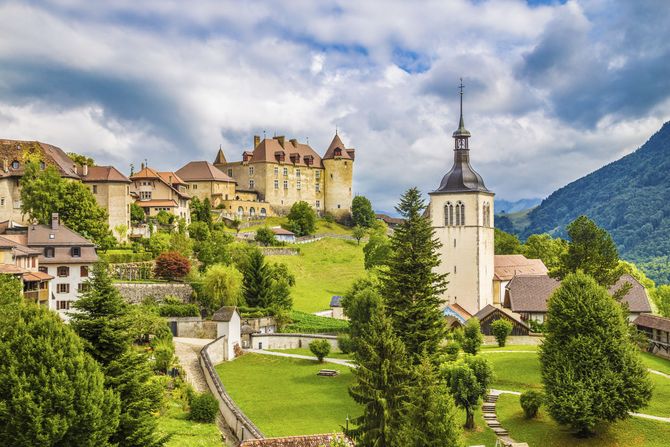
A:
(489, 411)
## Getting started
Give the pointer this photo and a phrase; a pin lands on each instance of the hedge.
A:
(125, 258)
(304, 323)
(178, 310)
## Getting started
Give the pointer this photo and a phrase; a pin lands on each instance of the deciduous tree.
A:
(468, 382)
(501, 329)
(506, 243)
(172, 265)
(302, 219)
(362, 213)
(222, 285)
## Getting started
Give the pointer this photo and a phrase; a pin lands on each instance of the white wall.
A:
(74, 278)
(231, 330)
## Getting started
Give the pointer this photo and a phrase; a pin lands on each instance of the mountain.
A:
(507, 206)
(630, 198)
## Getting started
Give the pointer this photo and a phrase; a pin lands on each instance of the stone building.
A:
(157, 191)
(111, 190)
(461, 212)
(280, 172)
(109, 186)
(21, 261)
(204, 180)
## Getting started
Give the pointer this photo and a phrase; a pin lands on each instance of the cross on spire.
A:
(460, 124)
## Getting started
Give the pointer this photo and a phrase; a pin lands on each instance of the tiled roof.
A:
(335, 301)
(279, 231)
(164, 177)
(202, 171)
(171, 178)
(11, 269)
(268, 147)
(102, 174)
(224, 314)
(530, 293)
(37, 276)
(14, 150)
(653, 321)
(337, 144)
(44, 235)
(146, 172)
(508, 266)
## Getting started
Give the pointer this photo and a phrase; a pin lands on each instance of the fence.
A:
(238, 422)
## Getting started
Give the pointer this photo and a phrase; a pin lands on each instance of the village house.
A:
(111, 190)
(657, 330)
(281, 172)
(160, 191)
(283, 235)
(205, 181)
(506, 267)
(229, 325)
(21, 261)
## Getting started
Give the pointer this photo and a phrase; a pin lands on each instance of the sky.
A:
(553, 89)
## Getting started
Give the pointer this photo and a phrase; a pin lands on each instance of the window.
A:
(230, 172)
(43, 165)
(285, 184)
(318, 204)
(240, 211)
(285, 172)
(83, 271)
(49, 252)
(95, 189)
(297, 172)
(63, 271)
(338, 206)
(454, 242)
(63, 288)
(15, 164)
(276, 171)
(297, 185)
(43, 269)
(83, 287)
(17, 204)
(252, 184)
(2, 201)
(252, 211)
(33, 262)
(145, 195)
(75, 252)
(460, 213)
(317, 187)
(276, 184)
(62, 305)
(195, 186)
(448, 214)
(317, 175)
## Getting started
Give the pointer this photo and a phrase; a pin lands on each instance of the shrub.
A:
(472, 336)
(530, 402)
(178, 310)
(204, 408)
(320, 348)
(501, 330)
(452, 349)
(345, 343)
(172, 265)
(536, 326)
(265, 236)
(302, 219)
(163, 353)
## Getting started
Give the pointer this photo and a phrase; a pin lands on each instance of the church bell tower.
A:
(461, 212)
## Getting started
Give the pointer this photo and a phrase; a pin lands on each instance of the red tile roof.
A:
(508, 266)
(202, 171)
(267, 148)
(103, 174)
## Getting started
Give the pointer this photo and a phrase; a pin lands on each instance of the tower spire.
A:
(461, 134)
(460, 123)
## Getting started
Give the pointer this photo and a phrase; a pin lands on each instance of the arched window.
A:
(448, 214)
(460, 213)
(263, 212)
(252, 211)
(240, 211)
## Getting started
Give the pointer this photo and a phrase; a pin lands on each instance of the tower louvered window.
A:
(460, 213)
(449, 214)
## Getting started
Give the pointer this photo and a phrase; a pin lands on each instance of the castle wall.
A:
(216, 192)
(10, 200)
(115, 198)
(467, 251)
(338, 182)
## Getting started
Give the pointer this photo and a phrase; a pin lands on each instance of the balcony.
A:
(37, 296)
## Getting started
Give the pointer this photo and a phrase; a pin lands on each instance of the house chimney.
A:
(142, 165)
(84, 170)
(257, 140)
(294, 142)
(54, 221)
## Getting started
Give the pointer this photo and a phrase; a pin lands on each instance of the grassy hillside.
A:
(321, 226)
(514, 223)
(629, 198)
(324, 268)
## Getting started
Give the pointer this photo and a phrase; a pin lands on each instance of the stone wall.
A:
(134, 293)
(528, 340)
(280, 251)
(193, 327)
(238, 422)
(289, 341)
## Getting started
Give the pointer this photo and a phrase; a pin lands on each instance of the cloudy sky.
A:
(553, 90)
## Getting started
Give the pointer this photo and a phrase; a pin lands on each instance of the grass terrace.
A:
(336, 354)
(322, 269)
(304, 323)
(322, 227)
(174, 421)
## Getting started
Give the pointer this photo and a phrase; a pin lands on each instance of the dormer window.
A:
(15, 164)
(49, 252)
(75, 252)
(338, 152)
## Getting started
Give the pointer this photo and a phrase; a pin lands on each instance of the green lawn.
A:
(656, 363)
(544, 432)
(284, 396)
(305, 351)
(510, 348)
(517, 371)
(324, 268)
(175, 421)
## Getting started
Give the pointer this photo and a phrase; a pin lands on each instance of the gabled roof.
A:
(653, 321)
(531, 293)
(335, 301)
(337, 144)
(169, 179)
(18, 249)
(145, 172)
(507, 266)
(265, 152)
(279, 231)
(102, 174)
(488, 310)
(202, 171)
(44, 235)
(14, 150)
(224, 314)
(456, 311)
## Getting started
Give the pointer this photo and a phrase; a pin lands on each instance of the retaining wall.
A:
(239, 423)
(289, 341)
(529, 340)
(134, 293)
(280, 251)
(194, 327)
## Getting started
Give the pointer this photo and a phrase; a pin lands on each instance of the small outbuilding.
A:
(657, 330)
(336, 307)
(489, 314)
(455, 315)
(228, 324)
(283, 235)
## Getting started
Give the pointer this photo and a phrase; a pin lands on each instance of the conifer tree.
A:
(51, 391)
(429, 414)
(591, 369)
(381, 379)
(410, 286)
(101, 321)
(257, 281)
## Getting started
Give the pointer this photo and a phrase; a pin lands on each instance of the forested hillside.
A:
(629, 197)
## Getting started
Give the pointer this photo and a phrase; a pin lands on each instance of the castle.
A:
(277, 172)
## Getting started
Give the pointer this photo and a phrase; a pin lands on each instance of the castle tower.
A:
(461, 211)
(338, 164)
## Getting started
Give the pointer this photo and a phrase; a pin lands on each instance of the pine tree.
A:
(429, 414)
(51, 391)
(257, 281)
(100, 318)
(102, 322)
(379, 387)
(410, 285)
(591, 369)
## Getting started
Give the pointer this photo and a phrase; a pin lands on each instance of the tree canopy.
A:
(302, 219)
(362, 213)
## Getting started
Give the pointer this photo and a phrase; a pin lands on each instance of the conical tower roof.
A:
(220, 158)
(336, 144)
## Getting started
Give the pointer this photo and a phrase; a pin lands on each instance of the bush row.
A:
(178, 310)
(127, 257)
